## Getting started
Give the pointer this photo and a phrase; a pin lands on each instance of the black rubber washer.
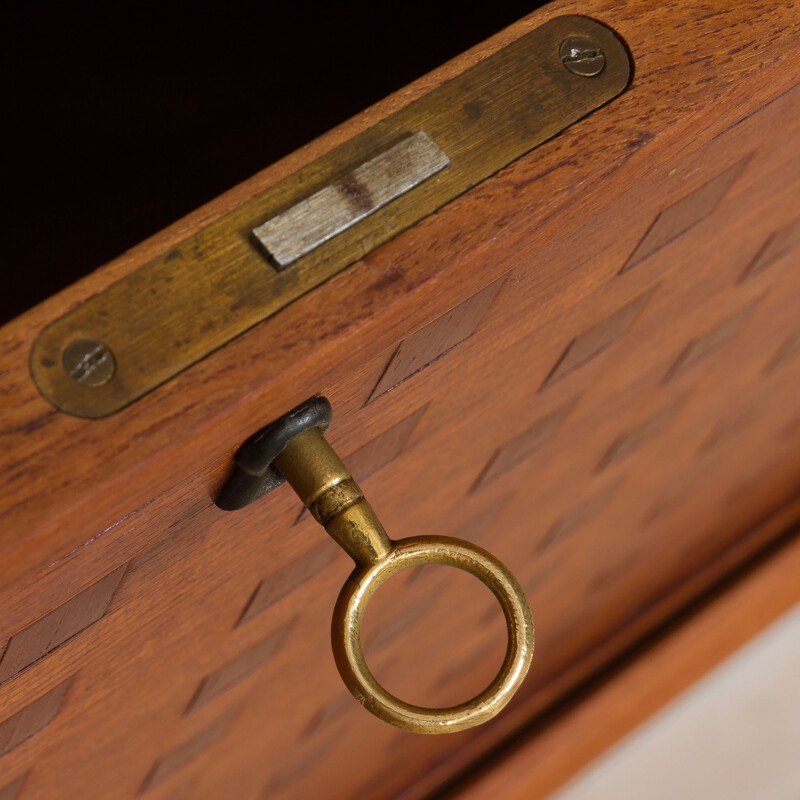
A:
(254, 474)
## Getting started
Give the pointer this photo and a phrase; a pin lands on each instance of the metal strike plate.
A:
(337, 207)
(244, 267)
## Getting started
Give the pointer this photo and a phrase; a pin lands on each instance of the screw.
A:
(89, 362)
(582, 56)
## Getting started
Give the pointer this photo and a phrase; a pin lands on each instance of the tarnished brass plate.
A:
(216, 284)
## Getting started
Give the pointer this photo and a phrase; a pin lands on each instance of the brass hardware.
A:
(295, 449)
(216, 284)
(337, 207)
(89, 362)
(582, 55)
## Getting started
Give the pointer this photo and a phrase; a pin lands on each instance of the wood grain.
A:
(581, 510)
(641, 686)
(186, 752)
(384, 448)
(523, 445)
(788, 351)
(424, 346)
(281, 582)
(708, 343)
(678, 218)
(239, 668)
(10, 791)
(631, 440)
(44, 635)
(82, 499)
(28, 721)
(777, 245)
(592, 342)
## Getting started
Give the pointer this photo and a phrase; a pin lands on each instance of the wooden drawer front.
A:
(587, 364)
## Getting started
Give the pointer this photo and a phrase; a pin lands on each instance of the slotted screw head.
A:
(582, 56)
(89, 362)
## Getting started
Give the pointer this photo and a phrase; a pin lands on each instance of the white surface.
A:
(735, 735)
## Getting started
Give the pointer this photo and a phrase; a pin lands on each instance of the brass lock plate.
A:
(154, 323)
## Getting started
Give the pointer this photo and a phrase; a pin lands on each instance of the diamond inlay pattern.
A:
(577, 516)
(592, 342)
(523, 445)
(709, 343)
(626, 443)
(678, 218)
(238, 669)
(33, 718)
(58, 626)
(777, 245)
(431, 342)
(287, 578)
(385, 447)
(187, 752)
(11, 790)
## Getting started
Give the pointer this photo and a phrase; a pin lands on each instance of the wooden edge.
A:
(526, 716)
(217, 285)
(33, 413)
(174, 233)
(597, 716)
(41, 525)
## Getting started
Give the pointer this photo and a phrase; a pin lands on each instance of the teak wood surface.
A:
(587, 364)
(683, 654)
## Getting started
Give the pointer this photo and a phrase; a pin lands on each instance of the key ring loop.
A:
(294, 449)
(348, 616)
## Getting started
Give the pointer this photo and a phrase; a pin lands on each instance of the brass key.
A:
(295, 449)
